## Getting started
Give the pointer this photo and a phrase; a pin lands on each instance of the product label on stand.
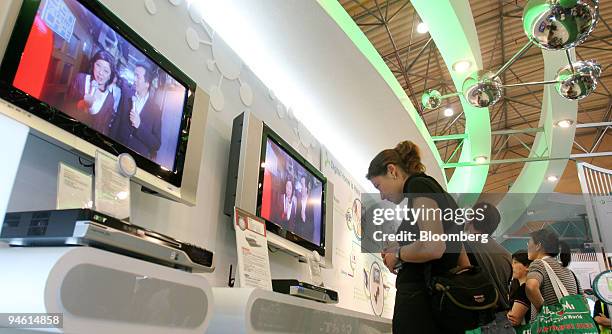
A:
(112, 189)
(73, 188)
(252, 246)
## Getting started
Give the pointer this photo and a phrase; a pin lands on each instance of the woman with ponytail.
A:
(544, 246)
(398, 173)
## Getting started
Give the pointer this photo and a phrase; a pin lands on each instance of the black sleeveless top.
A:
(422, 185)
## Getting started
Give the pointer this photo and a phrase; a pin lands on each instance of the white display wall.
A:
(180, 34)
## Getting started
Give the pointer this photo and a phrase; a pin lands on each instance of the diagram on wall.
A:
(353, 218)
(367, 284)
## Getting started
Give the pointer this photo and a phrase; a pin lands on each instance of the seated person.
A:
(89, 99)
(289, 207)
(138, 121)
(305, 211)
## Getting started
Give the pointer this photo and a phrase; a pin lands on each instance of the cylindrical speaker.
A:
(102, 292)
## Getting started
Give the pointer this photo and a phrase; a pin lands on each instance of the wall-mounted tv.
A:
(269, 178)
(291, 194)
(76, 65)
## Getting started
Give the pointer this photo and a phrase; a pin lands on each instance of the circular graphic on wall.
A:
(602, 285)
(151, 7)
(377, 289)
(356, 215)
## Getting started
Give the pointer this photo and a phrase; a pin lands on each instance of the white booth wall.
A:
(164, 26)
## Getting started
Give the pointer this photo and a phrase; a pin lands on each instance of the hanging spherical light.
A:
(559, 24)
(481, 90)
(578, 80)
(431, 99)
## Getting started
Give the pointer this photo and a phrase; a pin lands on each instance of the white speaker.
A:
(102, 292)
(248, 310)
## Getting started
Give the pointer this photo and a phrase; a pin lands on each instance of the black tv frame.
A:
(268, 133)
(8, 92)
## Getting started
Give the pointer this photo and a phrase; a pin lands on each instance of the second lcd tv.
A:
(268, 177)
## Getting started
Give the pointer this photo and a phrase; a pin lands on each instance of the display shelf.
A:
(248, 310)
(102, 292)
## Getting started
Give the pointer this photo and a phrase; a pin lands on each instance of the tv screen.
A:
(99, 80)
(291, 195)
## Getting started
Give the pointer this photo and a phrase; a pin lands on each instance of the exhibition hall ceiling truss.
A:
(396, 31)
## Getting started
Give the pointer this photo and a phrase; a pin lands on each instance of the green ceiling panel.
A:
(452, 28)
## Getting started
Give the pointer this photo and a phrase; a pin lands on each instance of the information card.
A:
(112, 189)
(252, 244)
(73, 188)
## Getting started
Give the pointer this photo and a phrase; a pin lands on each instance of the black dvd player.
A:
(296, 288)
(85, 227)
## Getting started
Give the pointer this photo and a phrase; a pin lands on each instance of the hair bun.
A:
(406, 150)
(410, 156)
(405, 155)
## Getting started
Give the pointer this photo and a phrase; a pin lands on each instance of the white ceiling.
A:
(301, 54)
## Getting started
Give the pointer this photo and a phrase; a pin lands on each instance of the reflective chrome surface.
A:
(431, 99)
(481, 91)
(579, 83)
(559, 24)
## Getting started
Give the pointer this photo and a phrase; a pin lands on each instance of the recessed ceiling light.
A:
(480, 159)
(448, 112)
(565, 123)
(422, 28)
(553, 178)
(462, 66)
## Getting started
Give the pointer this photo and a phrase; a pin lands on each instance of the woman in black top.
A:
(520, 313)
(398, 173)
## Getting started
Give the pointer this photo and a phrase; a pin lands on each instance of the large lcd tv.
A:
(291, 194)
(268, 177)
(75, 65)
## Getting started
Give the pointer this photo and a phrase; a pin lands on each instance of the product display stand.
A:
(249, 310)
(97, 291)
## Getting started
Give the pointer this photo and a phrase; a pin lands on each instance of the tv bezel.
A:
(10, 63)
(268, 133)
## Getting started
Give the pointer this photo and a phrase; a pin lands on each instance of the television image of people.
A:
(291, 195)
(76, 63)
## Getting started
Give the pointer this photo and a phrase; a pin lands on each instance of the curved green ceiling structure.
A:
(451, 25)
(361, 41)
(554, 142)
(452, 28)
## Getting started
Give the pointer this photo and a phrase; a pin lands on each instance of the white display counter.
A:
(248, 310)
(102, 292)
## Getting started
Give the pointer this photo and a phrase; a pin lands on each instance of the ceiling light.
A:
(480, 159)
(448, 112)
(422, 28)
(566, 123)
(530, 212)
(553, 178)
(462, 66)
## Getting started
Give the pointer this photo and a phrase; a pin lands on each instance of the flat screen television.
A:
(291, 194)
(74, 64)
